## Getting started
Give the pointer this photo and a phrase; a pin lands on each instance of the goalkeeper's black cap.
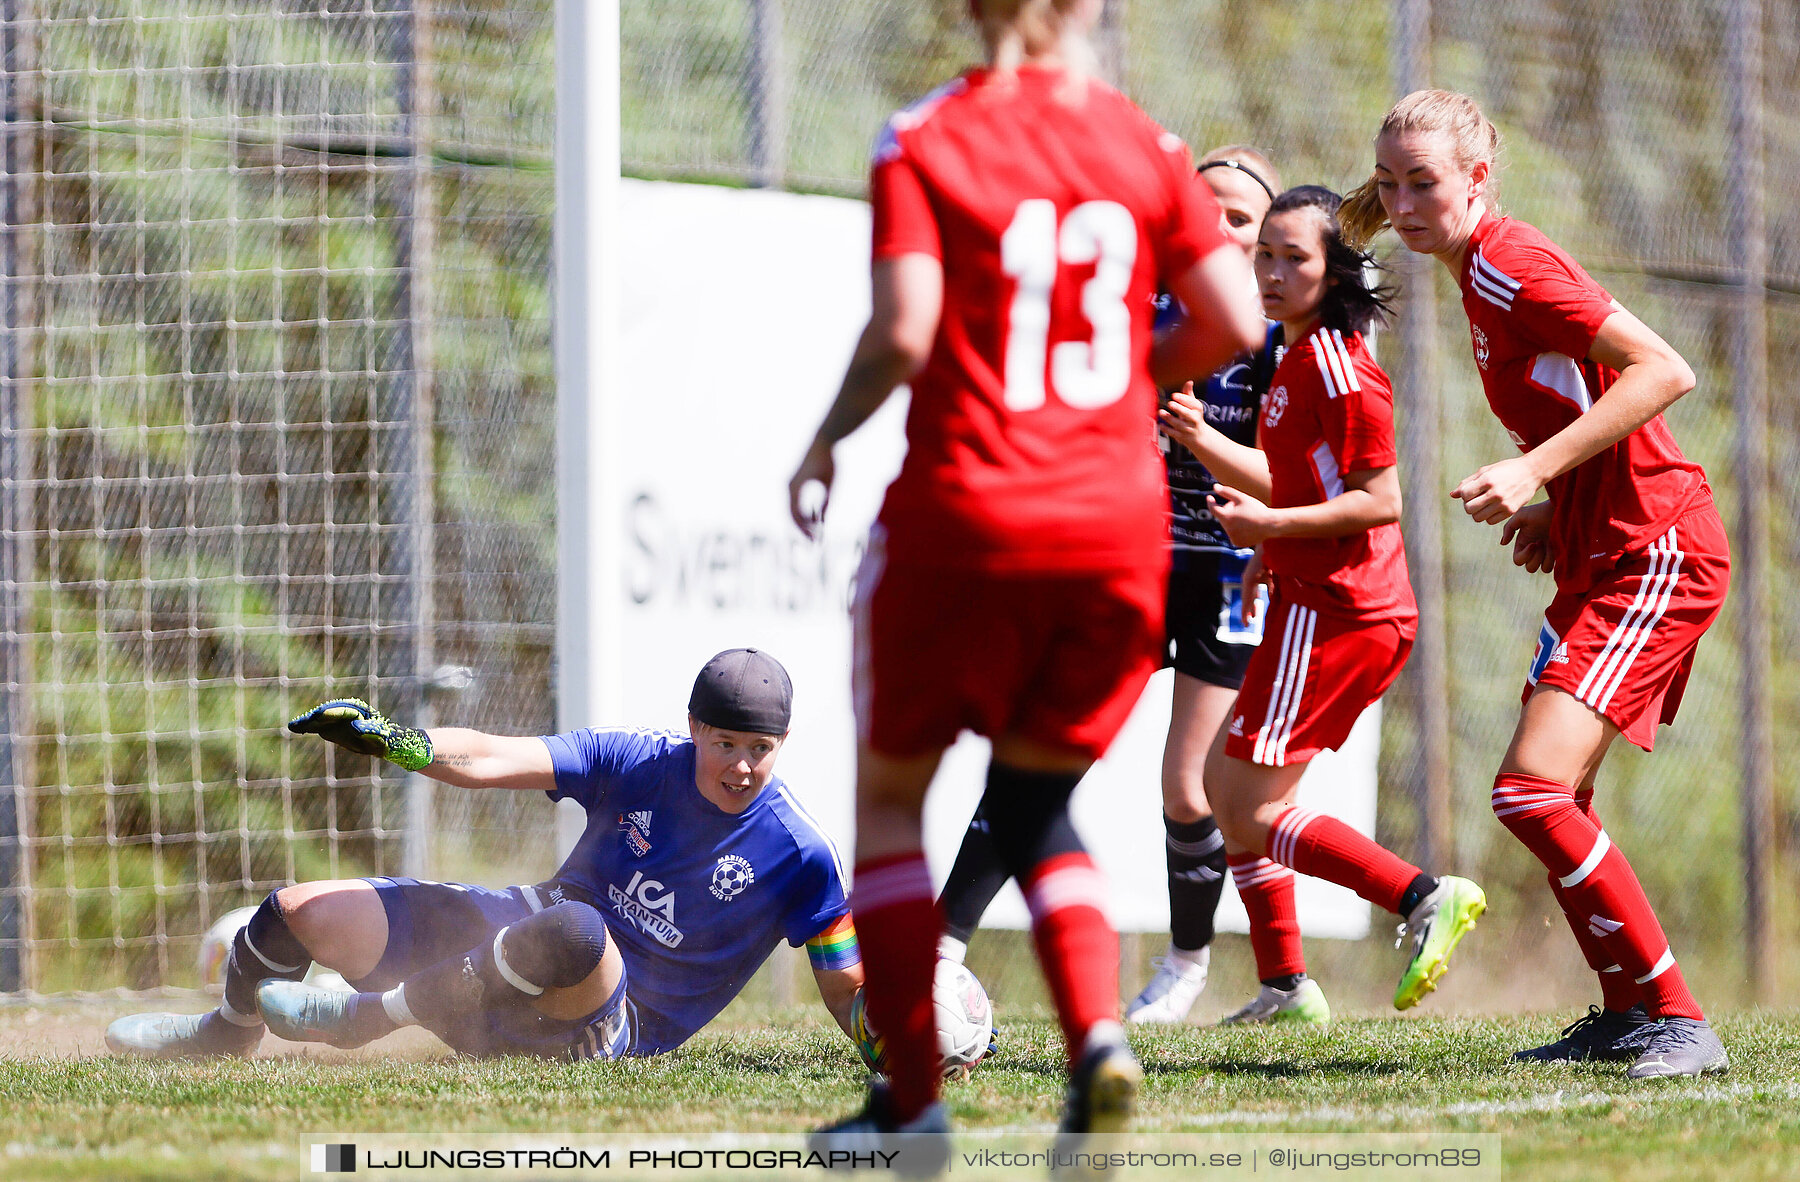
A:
(743, 689)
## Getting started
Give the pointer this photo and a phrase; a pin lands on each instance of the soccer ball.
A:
(215, 947)
(215, 954)
(964, 1017)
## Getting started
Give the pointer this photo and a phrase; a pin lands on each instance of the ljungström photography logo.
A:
(334, 1159)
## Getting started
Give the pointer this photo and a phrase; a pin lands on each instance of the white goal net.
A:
(276, 429)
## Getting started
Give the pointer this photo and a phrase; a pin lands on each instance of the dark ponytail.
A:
(1352, 301)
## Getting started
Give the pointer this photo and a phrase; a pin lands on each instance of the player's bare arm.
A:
(455, 755)
(1222, 318)
(838, 991)
(1230, 462)
(1652, 376)
(907, 297)
(1371, 498)
(474, 759)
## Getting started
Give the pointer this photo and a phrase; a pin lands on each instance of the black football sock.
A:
(1287, 984)
(1028, 817)
(263, 948)
(217, 1034)
(1196, 857)
(975, 878)
(1421, 886)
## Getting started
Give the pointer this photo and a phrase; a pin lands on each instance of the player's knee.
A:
(558, 947)
(1185, 802)
(1523, 803)
(1235, 814)
(297, 909)
(268, 945)
(1264, 814)
(308, 910)
(1028, 816)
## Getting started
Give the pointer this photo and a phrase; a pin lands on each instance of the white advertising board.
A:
(739, 311)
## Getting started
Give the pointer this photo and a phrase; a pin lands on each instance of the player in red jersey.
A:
(1210, 643)
(1628, 528)
(1321, 498)
(1024, 216)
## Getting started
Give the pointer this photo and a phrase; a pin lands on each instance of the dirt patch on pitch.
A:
(61, 1029)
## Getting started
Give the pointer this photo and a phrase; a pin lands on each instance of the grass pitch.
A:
(69, 1112)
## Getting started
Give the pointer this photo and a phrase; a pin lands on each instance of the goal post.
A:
(589, 529)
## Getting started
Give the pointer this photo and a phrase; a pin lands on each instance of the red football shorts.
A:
(1626, 645)
(1059, 659)
(1309, 682)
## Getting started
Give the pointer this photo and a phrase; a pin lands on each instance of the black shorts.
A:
(428, 921)
(1208, 639)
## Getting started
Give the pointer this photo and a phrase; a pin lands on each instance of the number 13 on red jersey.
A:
(1085, 374)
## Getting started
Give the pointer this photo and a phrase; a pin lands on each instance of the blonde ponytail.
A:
(1361, 216)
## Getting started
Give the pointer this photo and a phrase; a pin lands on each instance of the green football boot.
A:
(1436, 926)
(1304, 1005)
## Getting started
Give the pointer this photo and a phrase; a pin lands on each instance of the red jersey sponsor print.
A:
(1329, 411)
(1058, 209)
(1533, 315)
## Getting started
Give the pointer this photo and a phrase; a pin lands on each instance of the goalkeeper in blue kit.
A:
(695, 863)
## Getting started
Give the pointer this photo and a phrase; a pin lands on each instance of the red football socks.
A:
(1617, 990)
(897, 926)
(1267, 891)
(1076, 943)
(1326, 848)
(1598, 889)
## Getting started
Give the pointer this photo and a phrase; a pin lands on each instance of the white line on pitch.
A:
(1652, 1093)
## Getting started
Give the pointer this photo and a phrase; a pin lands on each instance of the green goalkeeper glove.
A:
(354, 725)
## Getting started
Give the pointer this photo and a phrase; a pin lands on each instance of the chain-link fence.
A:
(278, 396)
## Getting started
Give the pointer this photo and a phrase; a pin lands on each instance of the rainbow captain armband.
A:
(835, 947)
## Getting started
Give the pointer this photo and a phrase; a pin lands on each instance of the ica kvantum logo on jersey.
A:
(649, 906)
(731, 875)
(1481, 346)
(636, 828)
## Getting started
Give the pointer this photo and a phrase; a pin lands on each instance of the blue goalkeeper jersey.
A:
(697, 898)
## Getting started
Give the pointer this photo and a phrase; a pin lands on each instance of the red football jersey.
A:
(1058, 210)
(1533, 315)
(1330, 410)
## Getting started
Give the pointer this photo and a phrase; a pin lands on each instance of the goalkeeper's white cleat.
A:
(180, 1036)
(300, 1012)
(1171, 993)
